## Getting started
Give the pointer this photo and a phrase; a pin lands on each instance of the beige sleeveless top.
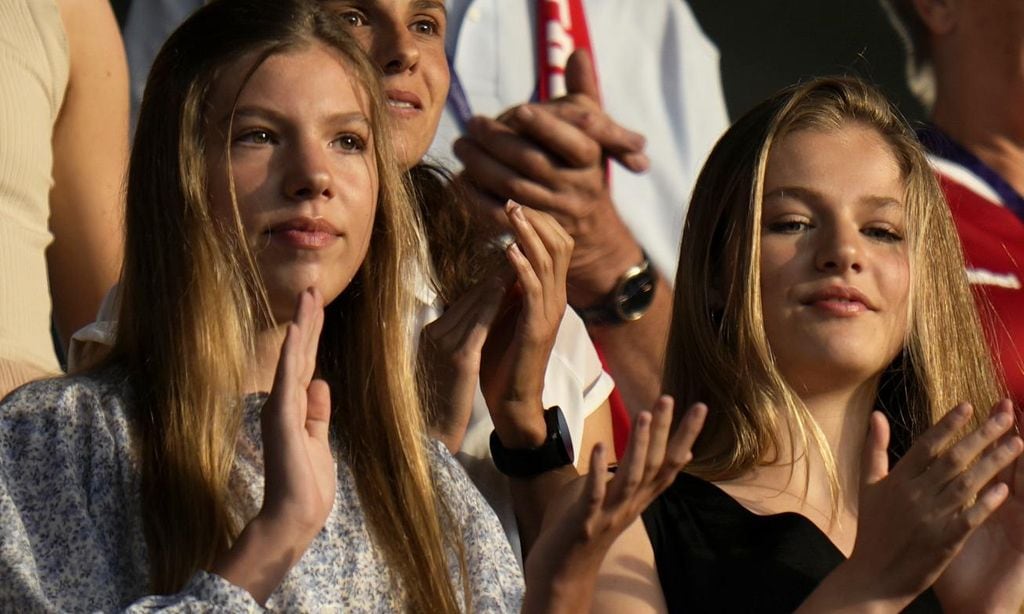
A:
(33, 76)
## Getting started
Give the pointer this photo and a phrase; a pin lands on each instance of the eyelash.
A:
(354, 142)
(345, 142)
(247, 137)
(878, 233)
(358, 20)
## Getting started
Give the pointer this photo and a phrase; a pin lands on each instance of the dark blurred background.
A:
(767, 44)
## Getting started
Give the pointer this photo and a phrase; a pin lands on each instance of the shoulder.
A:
(60, 419)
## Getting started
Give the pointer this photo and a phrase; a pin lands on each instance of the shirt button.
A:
(474, 14)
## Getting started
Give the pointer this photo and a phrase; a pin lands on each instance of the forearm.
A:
(530, 500)
(635, 351)
(846, 591)
(258, 560)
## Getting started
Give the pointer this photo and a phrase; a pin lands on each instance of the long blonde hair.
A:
(192, 302)
(718, 352)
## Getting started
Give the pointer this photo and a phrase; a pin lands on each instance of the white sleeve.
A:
(575, 379)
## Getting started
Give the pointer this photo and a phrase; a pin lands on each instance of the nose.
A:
(308, 175)
(839, 250)
(394, 47)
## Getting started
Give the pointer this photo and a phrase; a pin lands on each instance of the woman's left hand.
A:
(515, 355)
(562, 566)
(988, 573)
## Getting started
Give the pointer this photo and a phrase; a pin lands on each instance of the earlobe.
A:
(939, 16)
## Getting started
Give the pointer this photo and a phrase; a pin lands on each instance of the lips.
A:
(839, 300)
(403, 100)
(304, 233)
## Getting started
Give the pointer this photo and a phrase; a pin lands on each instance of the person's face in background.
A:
(302, 161)
(406, 39)
(835, 270)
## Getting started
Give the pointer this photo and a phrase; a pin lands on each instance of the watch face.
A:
(635, 295)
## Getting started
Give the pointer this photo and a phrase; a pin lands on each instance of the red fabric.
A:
(993, 242)
(553, 48)
(553, 51)
(621, 423)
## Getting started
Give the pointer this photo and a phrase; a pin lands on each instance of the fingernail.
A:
(1002, 420)
(513, 249)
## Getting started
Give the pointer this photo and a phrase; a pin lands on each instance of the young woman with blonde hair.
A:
(166, 477)
(823, 314)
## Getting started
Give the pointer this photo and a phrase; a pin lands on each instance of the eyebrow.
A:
(875, 202)
(349, 117)
(426, 5)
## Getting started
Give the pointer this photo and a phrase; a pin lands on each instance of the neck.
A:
(842, 416)
(977, 112)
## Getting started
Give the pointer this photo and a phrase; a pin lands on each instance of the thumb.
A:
(580, 77)
(875, 459)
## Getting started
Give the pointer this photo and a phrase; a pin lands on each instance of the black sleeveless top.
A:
(714, 555)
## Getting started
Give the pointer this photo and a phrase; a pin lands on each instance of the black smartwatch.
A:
(629, 300)
(555, 452)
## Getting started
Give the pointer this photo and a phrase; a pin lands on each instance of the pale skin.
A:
(833, 218)
(90, 145)
(300, 151)
(552, 157)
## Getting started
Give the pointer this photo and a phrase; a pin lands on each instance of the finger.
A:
(470, 309)
(875, 457)
(558, 244)
(631, 470)
(313, 340)
(595, 488)
(661, 426)
(318, 414)
(531, 245)
(566, 141)
(988, 502)
(964, 488)
(486, 172)
(532, 290)
(680, 447)
(579, 134)
(935, 440)
(580, 77)
(965, 452)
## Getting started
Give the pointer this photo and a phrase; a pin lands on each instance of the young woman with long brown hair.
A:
(823, 313)
(167, 476)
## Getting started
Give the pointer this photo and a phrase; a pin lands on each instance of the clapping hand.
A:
(578, 531)
(300, 476)
(915, 519)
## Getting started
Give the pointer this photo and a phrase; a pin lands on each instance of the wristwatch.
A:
(555, 452)
(629, 300)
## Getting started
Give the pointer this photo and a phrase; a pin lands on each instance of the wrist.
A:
(520, 426)
(258, 560)
(599, 263)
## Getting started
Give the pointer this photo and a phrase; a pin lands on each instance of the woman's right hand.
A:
(299, 469)
(914, 519)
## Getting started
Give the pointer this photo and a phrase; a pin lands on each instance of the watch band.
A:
(555, 452)
(629, 300)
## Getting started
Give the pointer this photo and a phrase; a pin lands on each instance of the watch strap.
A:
(554, 453)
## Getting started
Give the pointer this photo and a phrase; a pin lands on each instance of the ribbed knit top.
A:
(34, 63)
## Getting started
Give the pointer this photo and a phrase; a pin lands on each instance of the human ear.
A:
(939, 16)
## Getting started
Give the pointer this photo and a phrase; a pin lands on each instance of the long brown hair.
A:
(192, 301)
(718, 352)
